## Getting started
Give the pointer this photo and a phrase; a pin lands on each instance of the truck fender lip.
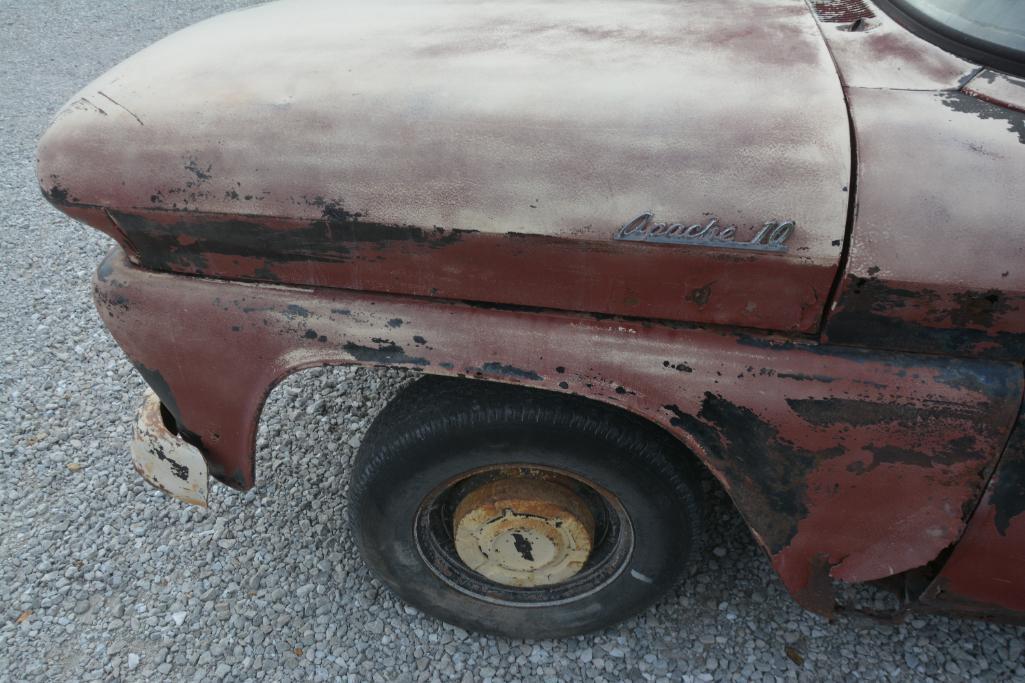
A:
(165, 460)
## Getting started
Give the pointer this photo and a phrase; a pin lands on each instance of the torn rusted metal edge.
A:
(165, 460)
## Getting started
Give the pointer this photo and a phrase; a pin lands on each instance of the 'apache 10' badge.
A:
(772, 236)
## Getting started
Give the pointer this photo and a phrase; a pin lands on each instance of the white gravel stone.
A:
(268, 586)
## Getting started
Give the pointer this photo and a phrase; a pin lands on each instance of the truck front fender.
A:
(846, 463)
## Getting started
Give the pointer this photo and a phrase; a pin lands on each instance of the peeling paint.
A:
(493, 368)
(892, 448)
(384, 354)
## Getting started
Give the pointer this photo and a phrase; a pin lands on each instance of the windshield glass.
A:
(996, 26)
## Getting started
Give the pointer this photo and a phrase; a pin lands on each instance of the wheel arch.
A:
(691, 446)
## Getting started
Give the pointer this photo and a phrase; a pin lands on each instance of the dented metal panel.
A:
(937, 260)
(847, 464)
(486, 151)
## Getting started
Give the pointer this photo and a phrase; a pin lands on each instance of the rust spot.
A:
(967, 104)
(979, 309)
(804, 377)
(1009, 486)
(872, 312)
(827, 412)
(701, 295)
(193, 167)
(818, 595)
(493, 368)
(749, 450)
(957, 450)
(56, 195)
(386, 353)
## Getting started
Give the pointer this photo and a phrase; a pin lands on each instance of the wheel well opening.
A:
(303, 395)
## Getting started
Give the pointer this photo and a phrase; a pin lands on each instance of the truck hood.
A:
(487, 151)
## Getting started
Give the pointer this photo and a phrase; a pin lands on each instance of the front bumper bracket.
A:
(165, 460)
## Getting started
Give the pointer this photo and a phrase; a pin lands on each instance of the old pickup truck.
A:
(781, 241)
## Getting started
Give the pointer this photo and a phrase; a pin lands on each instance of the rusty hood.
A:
(485, 151)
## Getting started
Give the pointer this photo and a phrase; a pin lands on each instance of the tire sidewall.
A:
(662, 523)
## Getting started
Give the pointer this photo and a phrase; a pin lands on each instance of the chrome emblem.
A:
(772, 236)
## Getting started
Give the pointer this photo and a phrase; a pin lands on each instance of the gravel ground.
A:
(103, 578)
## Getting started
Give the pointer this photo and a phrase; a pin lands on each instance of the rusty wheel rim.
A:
(523, 535)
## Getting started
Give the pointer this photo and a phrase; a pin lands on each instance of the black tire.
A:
(437, 429)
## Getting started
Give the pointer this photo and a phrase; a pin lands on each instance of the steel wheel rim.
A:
(612, 536)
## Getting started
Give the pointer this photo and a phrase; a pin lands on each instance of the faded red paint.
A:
(936, 263)
(935, 257)
(883, 54)
(985, 574)
(432, 161)
(868, 459)
(642, 280)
